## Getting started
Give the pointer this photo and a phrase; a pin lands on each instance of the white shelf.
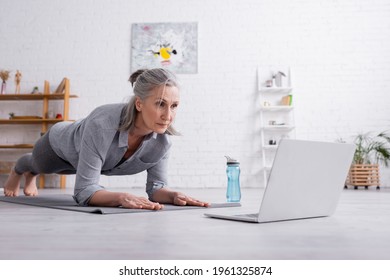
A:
(275, 90)
(277, 108)
(267, 168)
(278, 127)
(270, 147)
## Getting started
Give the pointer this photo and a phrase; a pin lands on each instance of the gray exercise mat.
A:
(66, 202)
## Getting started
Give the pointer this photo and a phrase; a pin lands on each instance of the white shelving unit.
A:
(276, 119)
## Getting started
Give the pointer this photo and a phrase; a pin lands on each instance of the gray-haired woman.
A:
(115, 139)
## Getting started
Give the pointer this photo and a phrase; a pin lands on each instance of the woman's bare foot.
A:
(30, 186)
(12, 185)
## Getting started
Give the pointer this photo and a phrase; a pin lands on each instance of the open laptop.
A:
(305, 181)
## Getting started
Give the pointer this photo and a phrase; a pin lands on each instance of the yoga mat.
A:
(66, 202)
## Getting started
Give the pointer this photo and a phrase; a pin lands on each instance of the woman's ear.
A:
(138, 104)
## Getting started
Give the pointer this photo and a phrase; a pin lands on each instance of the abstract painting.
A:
(165, 45)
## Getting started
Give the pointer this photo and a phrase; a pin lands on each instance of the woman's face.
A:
(157, 112)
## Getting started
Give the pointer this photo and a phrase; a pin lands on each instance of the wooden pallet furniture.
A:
(363, 175)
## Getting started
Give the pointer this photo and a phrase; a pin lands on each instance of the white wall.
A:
(339, 52)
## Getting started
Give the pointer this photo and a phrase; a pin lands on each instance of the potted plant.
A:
(371, 150)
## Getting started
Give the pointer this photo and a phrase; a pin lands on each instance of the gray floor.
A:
(360, 229)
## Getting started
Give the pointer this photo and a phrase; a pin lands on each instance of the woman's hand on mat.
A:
(182, 200)
(136, 202)
(166, 195)
(126, 200)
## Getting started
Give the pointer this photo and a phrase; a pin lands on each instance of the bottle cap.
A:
(231, 160)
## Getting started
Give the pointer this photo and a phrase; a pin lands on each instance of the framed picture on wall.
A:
(168, 45)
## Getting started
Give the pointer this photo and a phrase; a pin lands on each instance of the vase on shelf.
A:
(3, 87)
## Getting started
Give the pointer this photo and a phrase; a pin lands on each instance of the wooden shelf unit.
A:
(30, 121)
(17, 146)
(44, 121)
(36, 96)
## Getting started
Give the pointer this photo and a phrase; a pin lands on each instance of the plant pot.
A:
(363, 175)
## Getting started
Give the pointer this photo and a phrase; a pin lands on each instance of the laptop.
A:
(305, 181)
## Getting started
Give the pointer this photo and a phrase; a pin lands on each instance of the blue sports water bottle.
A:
(233, 193)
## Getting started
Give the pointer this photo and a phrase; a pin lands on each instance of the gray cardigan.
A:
(94, 146)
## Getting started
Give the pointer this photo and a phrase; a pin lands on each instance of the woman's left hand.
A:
(183, 200)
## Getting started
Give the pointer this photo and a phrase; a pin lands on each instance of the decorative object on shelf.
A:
(11, 115)
(61, 87)
(59, 116)
(371, 150)
(3, 87)
(278, 78)
(274, 76)
(18, 79)
(50, 115)
(272, 142)
(286, 100)
(269, 83)
(4, 75)
(35, 90)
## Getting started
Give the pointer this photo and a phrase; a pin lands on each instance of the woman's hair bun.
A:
(133, 77)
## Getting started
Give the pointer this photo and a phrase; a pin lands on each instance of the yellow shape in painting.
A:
(165, 53)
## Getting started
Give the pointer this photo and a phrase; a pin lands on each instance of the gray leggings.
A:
(43, 160)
